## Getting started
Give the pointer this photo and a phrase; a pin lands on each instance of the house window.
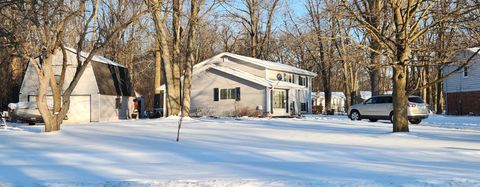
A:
(465, 72)
(215, 94)
(287, 77)
(303, 107)
(230, 93)
(302, 81)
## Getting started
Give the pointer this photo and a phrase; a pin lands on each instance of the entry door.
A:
(279, 101)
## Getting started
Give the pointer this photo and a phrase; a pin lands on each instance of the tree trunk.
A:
(192, 39)
(328, 92)
(175, 92)
(158, 72)
(400, 103)
(172, 90)
(439, 93)
(254, 16)
(374, 72)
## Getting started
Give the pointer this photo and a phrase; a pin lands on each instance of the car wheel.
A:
(415, 121)
(372, 119)
(355, 115)
(391, 117)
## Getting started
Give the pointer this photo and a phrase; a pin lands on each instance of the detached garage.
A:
(104, 92)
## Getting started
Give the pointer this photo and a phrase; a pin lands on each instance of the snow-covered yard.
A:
(315, 151)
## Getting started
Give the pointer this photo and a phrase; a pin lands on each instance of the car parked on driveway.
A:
(381, 107)
(25, 112)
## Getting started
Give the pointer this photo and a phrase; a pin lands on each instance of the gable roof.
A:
(263, 63)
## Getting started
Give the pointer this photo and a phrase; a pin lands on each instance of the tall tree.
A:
(190, 53)
(156, 8)
(324, 66)
(257, 18)
(410, 20)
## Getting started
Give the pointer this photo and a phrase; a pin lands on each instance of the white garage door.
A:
(79, 108)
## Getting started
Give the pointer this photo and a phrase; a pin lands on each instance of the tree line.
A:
(377, 45)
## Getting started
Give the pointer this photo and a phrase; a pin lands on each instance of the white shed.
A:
(103, 93)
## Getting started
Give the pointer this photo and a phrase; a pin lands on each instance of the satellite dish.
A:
(279, 76)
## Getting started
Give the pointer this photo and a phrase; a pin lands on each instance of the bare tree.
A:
(324, 66)
(410, 21)
(257, 18)
(48, 23)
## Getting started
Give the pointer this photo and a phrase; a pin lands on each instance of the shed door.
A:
(79, 110)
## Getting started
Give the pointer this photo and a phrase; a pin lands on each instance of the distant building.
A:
(338, 100)
(462, 90)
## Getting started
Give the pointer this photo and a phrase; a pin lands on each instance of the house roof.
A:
(246, 76)
(205, 65)
(96, 58)
(255, 79)
(258, 62)
(473, 49)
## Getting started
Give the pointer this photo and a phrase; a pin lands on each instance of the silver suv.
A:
(381, 107)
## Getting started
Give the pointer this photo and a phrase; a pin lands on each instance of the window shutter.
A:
(215, 94)
(306, 82)
(237, 92)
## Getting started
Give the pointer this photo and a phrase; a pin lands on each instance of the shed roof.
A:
(112, 79)
(96, 58)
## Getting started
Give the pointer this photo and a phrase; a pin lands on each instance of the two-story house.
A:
(227, 83)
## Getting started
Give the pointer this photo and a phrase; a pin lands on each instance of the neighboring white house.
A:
(103, 93)
(227, 83)
(337, 102)
(462, 90)
(338, 99)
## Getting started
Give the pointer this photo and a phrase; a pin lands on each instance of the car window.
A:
(369, 101)
(388, 100)
(415, 100)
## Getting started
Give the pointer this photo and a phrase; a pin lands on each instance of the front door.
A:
(279, 102)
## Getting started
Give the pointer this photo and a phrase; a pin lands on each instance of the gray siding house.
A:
(103, 93)
(228, 83)
(462, 90)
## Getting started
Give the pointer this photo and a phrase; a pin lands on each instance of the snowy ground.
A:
(315, 151)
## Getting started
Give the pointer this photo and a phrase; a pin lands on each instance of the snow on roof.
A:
(246, 76)
(473, 49)
(255, 79)
(262, 63)
(270, 65)
(96, 58)
(242, 74)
